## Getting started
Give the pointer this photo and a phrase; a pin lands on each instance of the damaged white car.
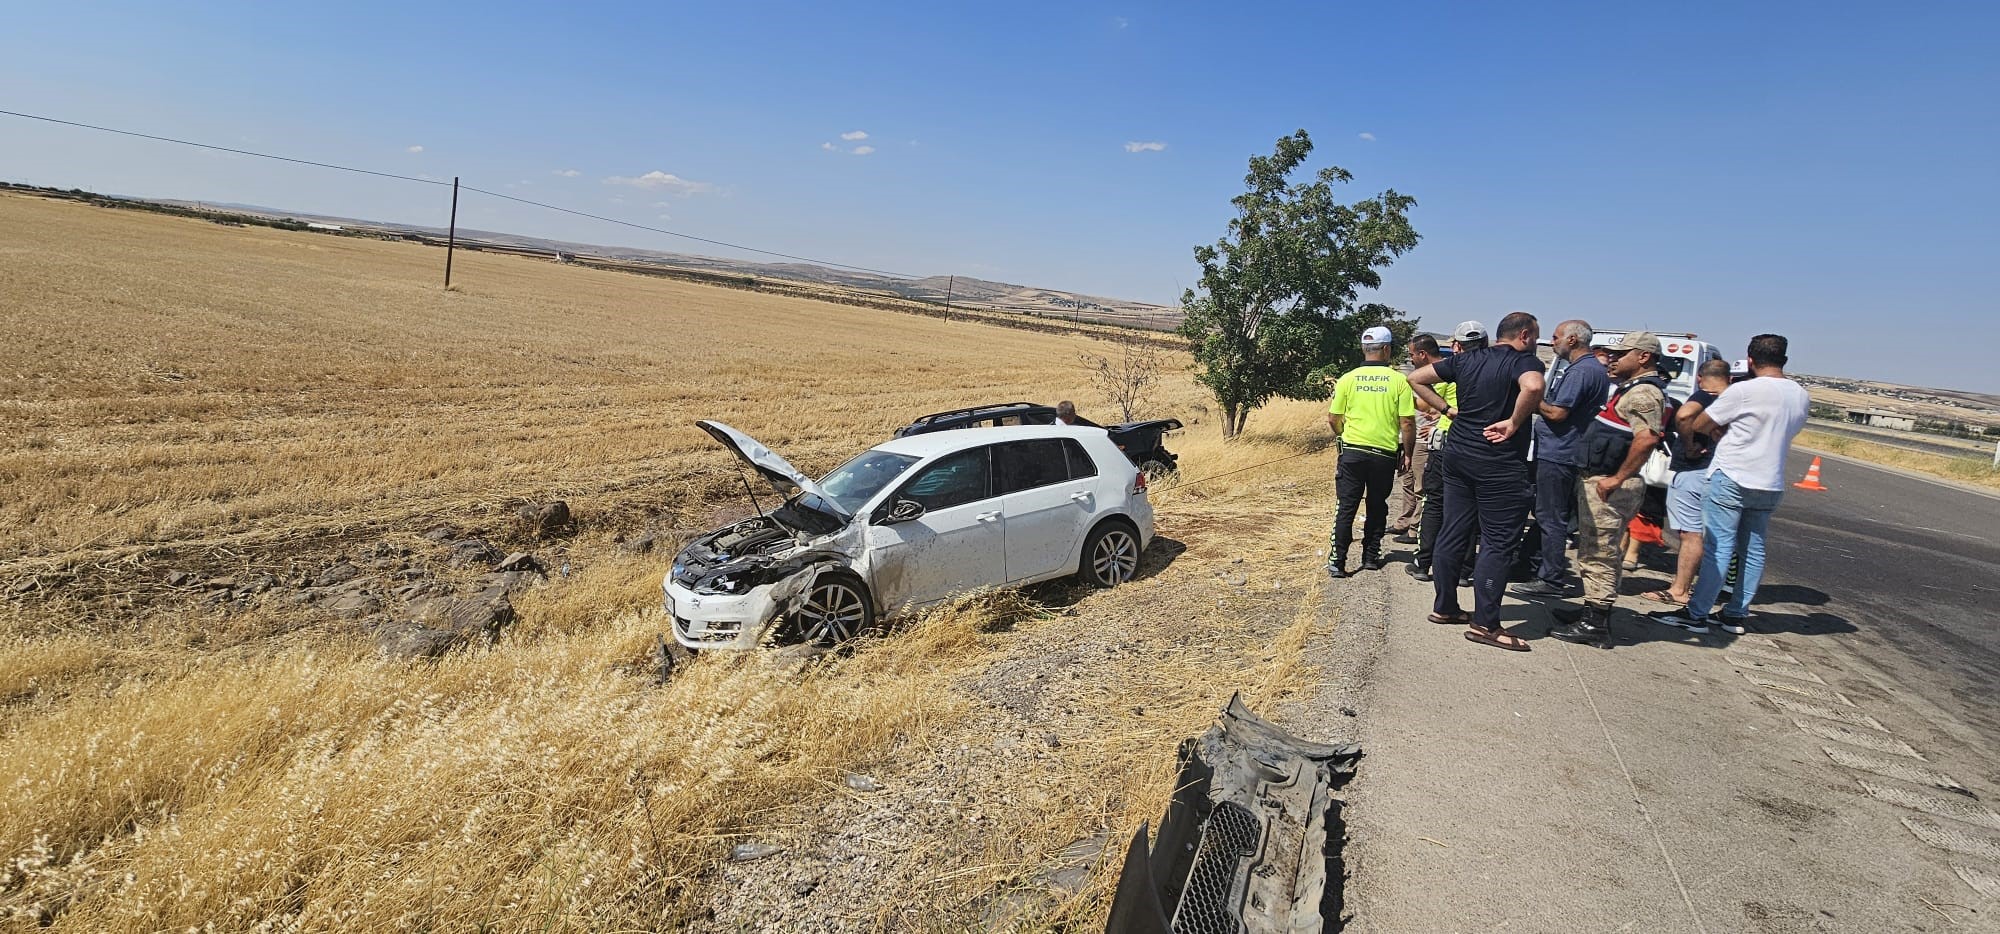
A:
(905, 524)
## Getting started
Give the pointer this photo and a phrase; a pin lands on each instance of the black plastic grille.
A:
(1230, 835)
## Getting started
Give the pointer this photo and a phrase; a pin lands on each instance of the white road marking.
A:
(1954, 808)
(1772, 655)
(1847, 715)
(1947, 837)
(1893, 768)
(1793, 687)
(1866, 740)
(1769, 667)
(1982, 881)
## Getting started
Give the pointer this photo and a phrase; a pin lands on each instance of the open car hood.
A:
(775, 470)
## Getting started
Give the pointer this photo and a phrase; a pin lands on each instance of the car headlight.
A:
(728, 584)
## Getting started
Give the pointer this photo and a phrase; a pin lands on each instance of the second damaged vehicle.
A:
(905, 524)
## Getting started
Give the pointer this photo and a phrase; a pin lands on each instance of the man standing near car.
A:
(1691, 453)
(1755, 422)
(1423, 351)
(1485, 471)
(1575, 394)
(1375, 418)
(1467, 337)
(1615, 444)
(1066, 415)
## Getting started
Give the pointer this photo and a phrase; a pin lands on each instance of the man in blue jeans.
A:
(1754, 424)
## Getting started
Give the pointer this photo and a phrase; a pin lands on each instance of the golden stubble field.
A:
(178, 395)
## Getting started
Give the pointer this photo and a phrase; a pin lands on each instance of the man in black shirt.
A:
(1486, 470)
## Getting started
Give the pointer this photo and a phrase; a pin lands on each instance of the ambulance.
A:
(1681, 358)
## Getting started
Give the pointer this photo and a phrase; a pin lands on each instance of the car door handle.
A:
(1080, 496)
(987, 516)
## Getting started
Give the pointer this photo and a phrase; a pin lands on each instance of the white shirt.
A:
(1763, 416)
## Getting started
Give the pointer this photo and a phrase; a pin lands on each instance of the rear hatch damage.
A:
(1249, 841)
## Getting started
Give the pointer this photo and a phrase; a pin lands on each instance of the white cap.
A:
(1377, 335)
(1469, 331)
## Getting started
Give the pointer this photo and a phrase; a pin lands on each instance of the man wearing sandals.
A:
(1485, 470)
(1615, 445)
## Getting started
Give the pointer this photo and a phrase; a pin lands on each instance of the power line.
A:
(684, 236)
(240, 152)
(433, 181)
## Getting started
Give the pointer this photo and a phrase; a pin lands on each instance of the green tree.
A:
(1275, 308)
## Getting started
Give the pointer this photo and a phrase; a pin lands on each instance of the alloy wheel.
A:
(833, 612)
(1115, 559)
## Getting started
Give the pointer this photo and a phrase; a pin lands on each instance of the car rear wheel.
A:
(1111, 555)
(832, 612)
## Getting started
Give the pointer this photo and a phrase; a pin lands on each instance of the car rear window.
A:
(1025, 465)
(1079, 462)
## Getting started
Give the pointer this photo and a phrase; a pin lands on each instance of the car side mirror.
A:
(902, 510)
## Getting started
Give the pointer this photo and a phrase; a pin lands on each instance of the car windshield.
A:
(852, 484)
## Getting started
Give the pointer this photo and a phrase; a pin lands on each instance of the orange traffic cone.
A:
(1811, 482)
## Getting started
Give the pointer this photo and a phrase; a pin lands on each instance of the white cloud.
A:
(829, 147)
(662, 181)
(566, 173)
(1154, 146)
(863, 150)
(666, 217)
(1370, 137)
(415, 149)
(853, 135)
(1120, 22)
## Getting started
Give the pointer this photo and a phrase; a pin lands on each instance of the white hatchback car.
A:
(908, 523)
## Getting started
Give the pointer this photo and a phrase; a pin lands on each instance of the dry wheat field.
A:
(184, 402)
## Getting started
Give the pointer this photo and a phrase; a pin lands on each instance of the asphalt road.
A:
(1929, 444)
(1913, 567)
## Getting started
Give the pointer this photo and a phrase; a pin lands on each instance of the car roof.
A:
(933, 443)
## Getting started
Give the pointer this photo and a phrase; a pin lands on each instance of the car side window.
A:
(1079, 462)
(956, 479)
(1025, 465)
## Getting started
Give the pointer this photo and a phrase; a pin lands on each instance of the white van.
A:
(1681, 358)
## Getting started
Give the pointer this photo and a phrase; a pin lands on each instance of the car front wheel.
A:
(1111, 556)
(832, 612)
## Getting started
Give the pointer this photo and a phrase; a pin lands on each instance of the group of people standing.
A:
(1458, 426)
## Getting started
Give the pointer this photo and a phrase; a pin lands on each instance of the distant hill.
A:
(961, 291)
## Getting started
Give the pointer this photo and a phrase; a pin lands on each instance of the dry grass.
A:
(179, 393)
(1965, 469)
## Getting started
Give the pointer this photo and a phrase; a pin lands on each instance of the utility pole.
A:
(951, 281)
(451, 238)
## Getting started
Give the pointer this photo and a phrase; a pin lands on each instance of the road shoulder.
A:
(1655, 786)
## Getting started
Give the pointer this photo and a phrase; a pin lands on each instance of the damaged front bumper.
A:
(721, 621)
(732, 621)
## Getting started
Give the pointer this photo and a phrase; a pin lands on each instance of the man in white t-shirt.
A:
(1756, 421)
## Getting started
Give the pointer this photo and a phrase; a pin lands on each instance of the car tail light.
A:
(1139, 485)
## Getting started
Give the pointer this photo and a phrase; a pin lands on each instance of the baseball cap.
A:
(1377, 335)
(1638, 340)
(1469, 331)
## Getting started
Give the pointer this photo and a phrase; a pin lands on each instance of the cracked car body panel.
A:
(730, 587)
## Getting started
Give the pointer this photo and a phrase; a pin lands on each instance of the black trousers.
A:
(1492, 498)
(1433, 520)
(1359, 474)
(1555, 512)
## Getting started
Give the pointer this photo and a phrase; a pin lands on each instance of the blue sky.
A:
(1826, 171)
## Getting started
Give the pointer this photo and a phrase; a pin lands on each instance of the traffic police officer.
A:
(1374, 415)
